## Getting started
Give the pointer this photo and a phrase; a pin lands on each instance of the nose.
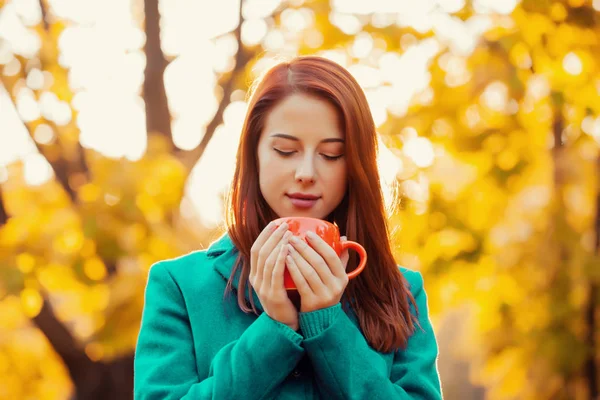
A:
(305, 171)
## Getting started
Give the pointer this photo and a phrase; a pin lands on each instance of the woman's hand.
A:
(266, 274)
(318, 272)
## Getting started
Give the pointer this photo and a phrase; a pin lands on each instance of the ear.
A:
(344, 256)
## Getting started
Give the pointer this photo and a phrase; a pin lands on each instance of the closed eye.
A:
(284, 153)
(332, 158)
(289, 153)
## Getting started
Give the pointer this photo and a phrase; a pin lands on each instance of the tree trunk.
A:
(158, 117)
(590, 370)
(591, 367)
(92, 380)
(114, 380)
(3, 213)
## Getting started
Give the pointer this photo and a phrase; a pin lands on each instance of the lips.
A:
(303, 200)
(303, 196)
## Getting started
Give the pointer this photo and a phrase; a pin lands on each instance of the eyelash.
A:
(289, 153)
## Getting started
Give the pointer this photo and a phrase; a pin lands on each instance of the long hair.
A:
(379, 295)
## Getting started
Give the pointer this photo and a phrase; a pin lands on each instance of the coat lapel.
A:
(223, 254)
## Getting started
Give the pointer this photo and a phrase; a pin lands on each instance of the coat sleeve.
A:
(346, 367)
(253, 366)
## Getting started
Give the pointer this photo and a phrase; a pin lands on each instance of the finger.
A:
(315, 260)
(270, 262)
(345, 257)
(277, 275)
(258, 243)
(267, 249)
(301, 284)
(326, 252)
(308, 271)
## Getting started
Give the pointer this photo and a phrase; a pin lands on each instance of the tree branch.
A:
(3, 213)
(75, 165)
(44, 11)
(59, 165)
(190, 158)
(158, 117)
(60, 168)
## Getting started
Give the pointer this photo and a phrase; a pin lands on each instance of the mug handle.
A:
(362, 254)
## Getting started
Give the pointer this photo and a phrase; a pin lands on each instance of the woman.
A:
(308, 148)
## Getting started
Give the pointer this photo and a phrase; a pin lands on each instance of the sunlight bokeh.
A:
(489, 152)
(107, 81)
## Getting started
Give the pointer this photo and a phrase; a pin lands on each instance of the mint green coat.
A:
(195, 345)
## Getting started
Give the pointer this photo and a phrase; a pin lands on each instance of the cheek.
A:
(337, 179)
(269, 166)
(270, 173)
(266, 157)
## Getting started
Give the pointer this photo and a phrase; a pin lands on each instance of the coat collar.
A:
(223, 254)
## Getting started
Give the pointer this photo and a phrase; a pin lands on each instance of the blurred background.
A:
(119, 122)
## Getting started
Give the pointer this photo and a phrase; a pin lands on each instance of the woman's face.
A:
(302, 167)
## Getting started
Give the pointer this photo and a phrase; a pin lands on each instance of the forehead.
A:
(305, 117)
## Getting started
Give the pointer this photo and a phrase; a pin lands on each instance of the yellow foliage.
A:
(89, 193)
(558, 12)
(12, 316)
(149, 207)
(95, 299)
(55, 276)
(69, 242)
(89, 248)
(520, 55)
(25, 262)
(95, 269)
(94, 351)
(12, 233)
(536, 314)
(504, 223)
(133, 237)
(532, 26)
(31, 301)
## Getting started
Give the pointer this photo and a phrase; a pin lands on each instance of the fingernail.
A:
(287, 235)
(310, 235)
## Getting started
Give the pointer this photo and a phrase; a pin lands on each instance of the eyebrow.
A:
(294, 138)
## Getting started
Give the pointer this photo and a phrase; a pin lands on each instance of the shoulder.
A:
(175, 268)
(414, 280)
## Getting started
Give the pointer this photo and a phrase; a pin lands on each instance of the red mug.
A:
(329, 233)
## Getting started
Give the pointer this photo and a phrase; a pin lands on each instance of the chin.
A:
(310, 214)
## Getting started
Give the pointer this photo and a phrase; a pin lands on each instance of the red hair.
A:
(379, 295)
